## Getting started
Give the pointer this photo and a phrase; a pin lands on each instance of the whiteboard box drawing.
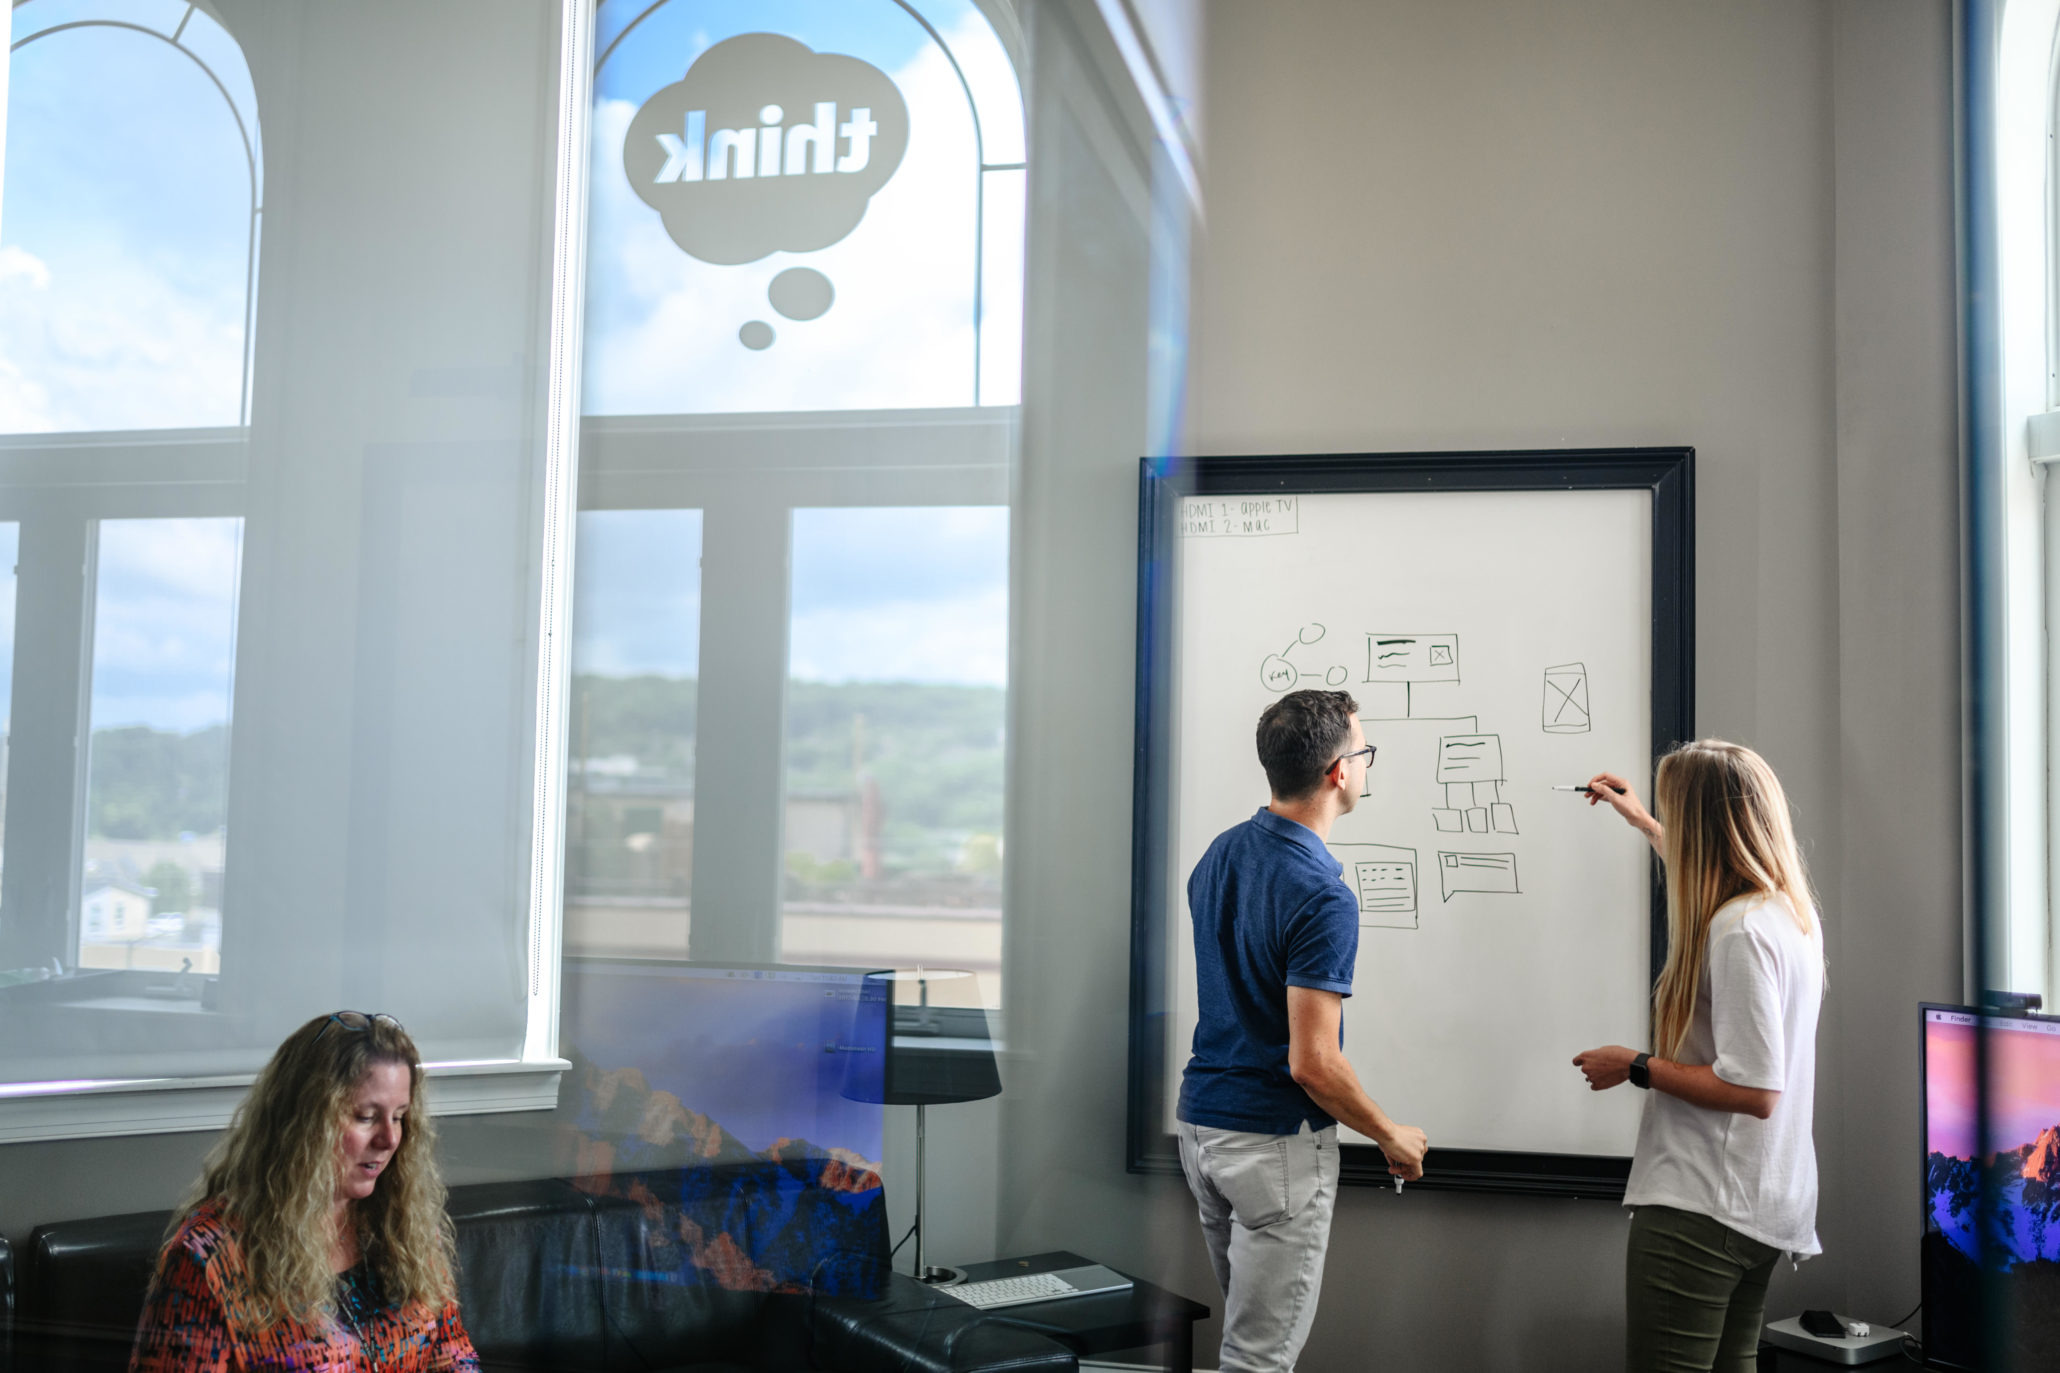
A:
(1407, 658)
(1385, 879)
(1477, 872)
(1566, 699)
(1542, 940)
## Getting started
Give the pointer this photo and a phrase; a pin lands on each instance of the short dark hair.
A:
(1300, 736)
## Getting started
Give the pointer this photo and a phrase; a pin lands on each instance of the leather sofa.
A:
(552, 1277)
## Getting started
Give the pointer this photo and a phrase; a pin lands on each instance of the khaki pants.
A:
(1695, 1294)
(1266, 1203)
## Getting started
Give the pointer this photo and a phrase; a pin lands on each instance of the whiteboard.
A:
(1498, 642)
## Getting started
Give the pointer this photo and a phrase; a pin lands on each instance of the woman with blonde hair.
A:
(1724, 1177)
(316, 1238)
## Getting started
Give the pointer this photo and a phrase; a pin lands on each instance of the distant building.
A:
(114, 912)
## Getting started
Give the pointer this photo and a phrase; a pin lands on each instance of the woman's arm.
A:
(450, 1348)
(183, 1329)
(1696, 1084)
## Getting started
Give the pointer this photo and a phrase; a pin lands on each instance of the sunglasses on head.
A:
(356, 1021)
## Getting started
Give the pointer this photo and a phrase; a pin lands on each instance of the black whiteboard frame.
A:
(1667, 473)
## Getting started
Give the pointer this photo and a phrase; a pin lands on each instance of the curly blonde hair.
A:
(275, 1175)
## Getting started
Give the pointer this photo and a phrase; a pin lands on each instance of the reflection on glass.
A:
(128, 224)
(896, 701)
(802, 205)
(10, 545)
(629, 818)
(157, 783)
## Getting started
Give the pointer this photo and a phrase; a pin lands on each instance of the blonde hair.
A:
(1728, 834)
(276, 1171)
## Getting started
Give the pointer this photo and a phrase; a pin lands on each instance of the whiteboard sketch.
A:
(1477, 872)
(1566, 699)
(1281, 675)
(1502, 930)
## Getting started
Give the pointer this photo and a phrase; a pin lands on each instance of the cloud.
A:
(164, 628)
(960, 639)
(122, 283)
(915, 594)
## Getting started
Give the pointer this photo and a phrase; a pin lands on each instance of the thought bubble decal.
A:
(765, 146)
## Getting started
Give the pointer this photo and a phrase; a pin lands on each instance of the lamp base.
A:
(932, 1276)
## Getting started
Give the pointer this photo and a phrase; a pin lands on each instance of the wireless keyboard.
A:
(1036, 1287)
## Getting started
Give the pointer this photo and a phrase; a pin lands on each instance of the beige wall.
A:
(1489, 223)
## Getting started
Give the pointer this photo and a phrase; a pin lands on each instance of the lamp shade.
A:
(932, 1037)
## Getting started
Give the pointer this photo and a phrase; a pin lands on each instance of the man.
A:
(1276, 937)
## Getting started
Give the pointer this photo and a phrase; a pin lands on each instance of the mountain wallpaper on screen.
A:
(2027, 1183)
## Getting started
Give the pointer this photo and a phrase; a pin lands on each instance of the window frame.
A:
(747, 472)
(66, 482)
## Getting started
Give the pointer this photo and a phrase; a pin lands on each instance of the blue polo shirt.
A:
(1271, 911)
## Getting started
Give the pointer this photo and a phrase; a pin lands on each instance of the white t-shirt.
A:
(1755, 1025)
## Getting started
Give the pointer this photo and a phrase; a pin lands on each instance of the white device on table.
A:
(1861, 1343)
(1032, 1287)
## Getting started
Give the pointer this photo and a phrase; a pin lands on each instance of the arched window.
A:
(802, 357)
(128, 220)
(800, 205)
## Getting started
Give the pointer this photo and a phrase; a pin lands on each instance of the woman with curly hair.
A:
(316, 1238)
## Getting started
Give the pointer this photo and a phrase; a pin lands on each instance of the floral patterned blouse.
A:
(201, 1283)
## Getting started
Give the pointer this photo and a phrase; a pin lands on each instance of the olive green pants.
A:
(1695, 1293)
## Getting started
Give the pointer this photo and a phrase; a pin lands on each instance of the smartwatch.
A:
(1641, 1076)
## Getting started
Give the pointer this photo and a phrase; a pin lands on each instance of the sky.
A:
(124, 229)
(877, 594)
(164, 622)
(2027, 1099)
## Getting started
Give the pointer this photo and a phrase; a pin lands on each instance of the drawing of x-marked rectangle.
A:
(1476, 872)
(1412, 657)
(1566, 699)
(1384, 879)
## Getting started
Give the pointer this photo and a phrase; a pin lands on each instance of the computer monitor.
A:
(2020, 1243)
(756, 1057)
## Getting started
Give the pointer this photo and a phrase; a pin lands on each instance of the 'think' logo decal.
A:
(765, 146)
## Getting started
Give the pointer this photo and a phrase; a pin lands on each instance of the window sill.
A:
(170, 1106)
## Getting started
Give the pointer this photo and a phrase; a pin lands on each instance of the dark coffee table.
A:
(928, 1318)
(1105, 1322)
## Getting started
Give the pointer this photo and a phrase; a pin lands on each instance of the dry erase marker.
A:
(1398, 1184)
(1586, 790)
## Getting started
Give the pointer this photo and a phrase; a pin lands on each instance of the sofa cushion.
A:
(524, 1249)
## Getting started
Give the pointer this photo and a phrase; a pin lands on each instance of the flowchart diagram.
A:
(1461, 766)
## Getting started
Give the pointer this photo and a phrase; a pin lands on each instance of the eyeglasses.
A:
(356, 1021)
(1369, 751)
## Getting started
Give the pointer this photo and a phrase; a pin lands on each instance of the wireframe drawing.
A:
(1470, 768)
(1384, 877)
(1566, 699)
(1477, 872)
(1407, 659)
(1279, 674)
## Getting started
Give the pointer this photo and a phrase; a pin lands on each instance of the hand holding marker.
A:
(1607, 786)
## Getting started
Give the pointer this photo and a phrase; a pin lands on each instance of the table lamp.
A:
(936, 1050)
